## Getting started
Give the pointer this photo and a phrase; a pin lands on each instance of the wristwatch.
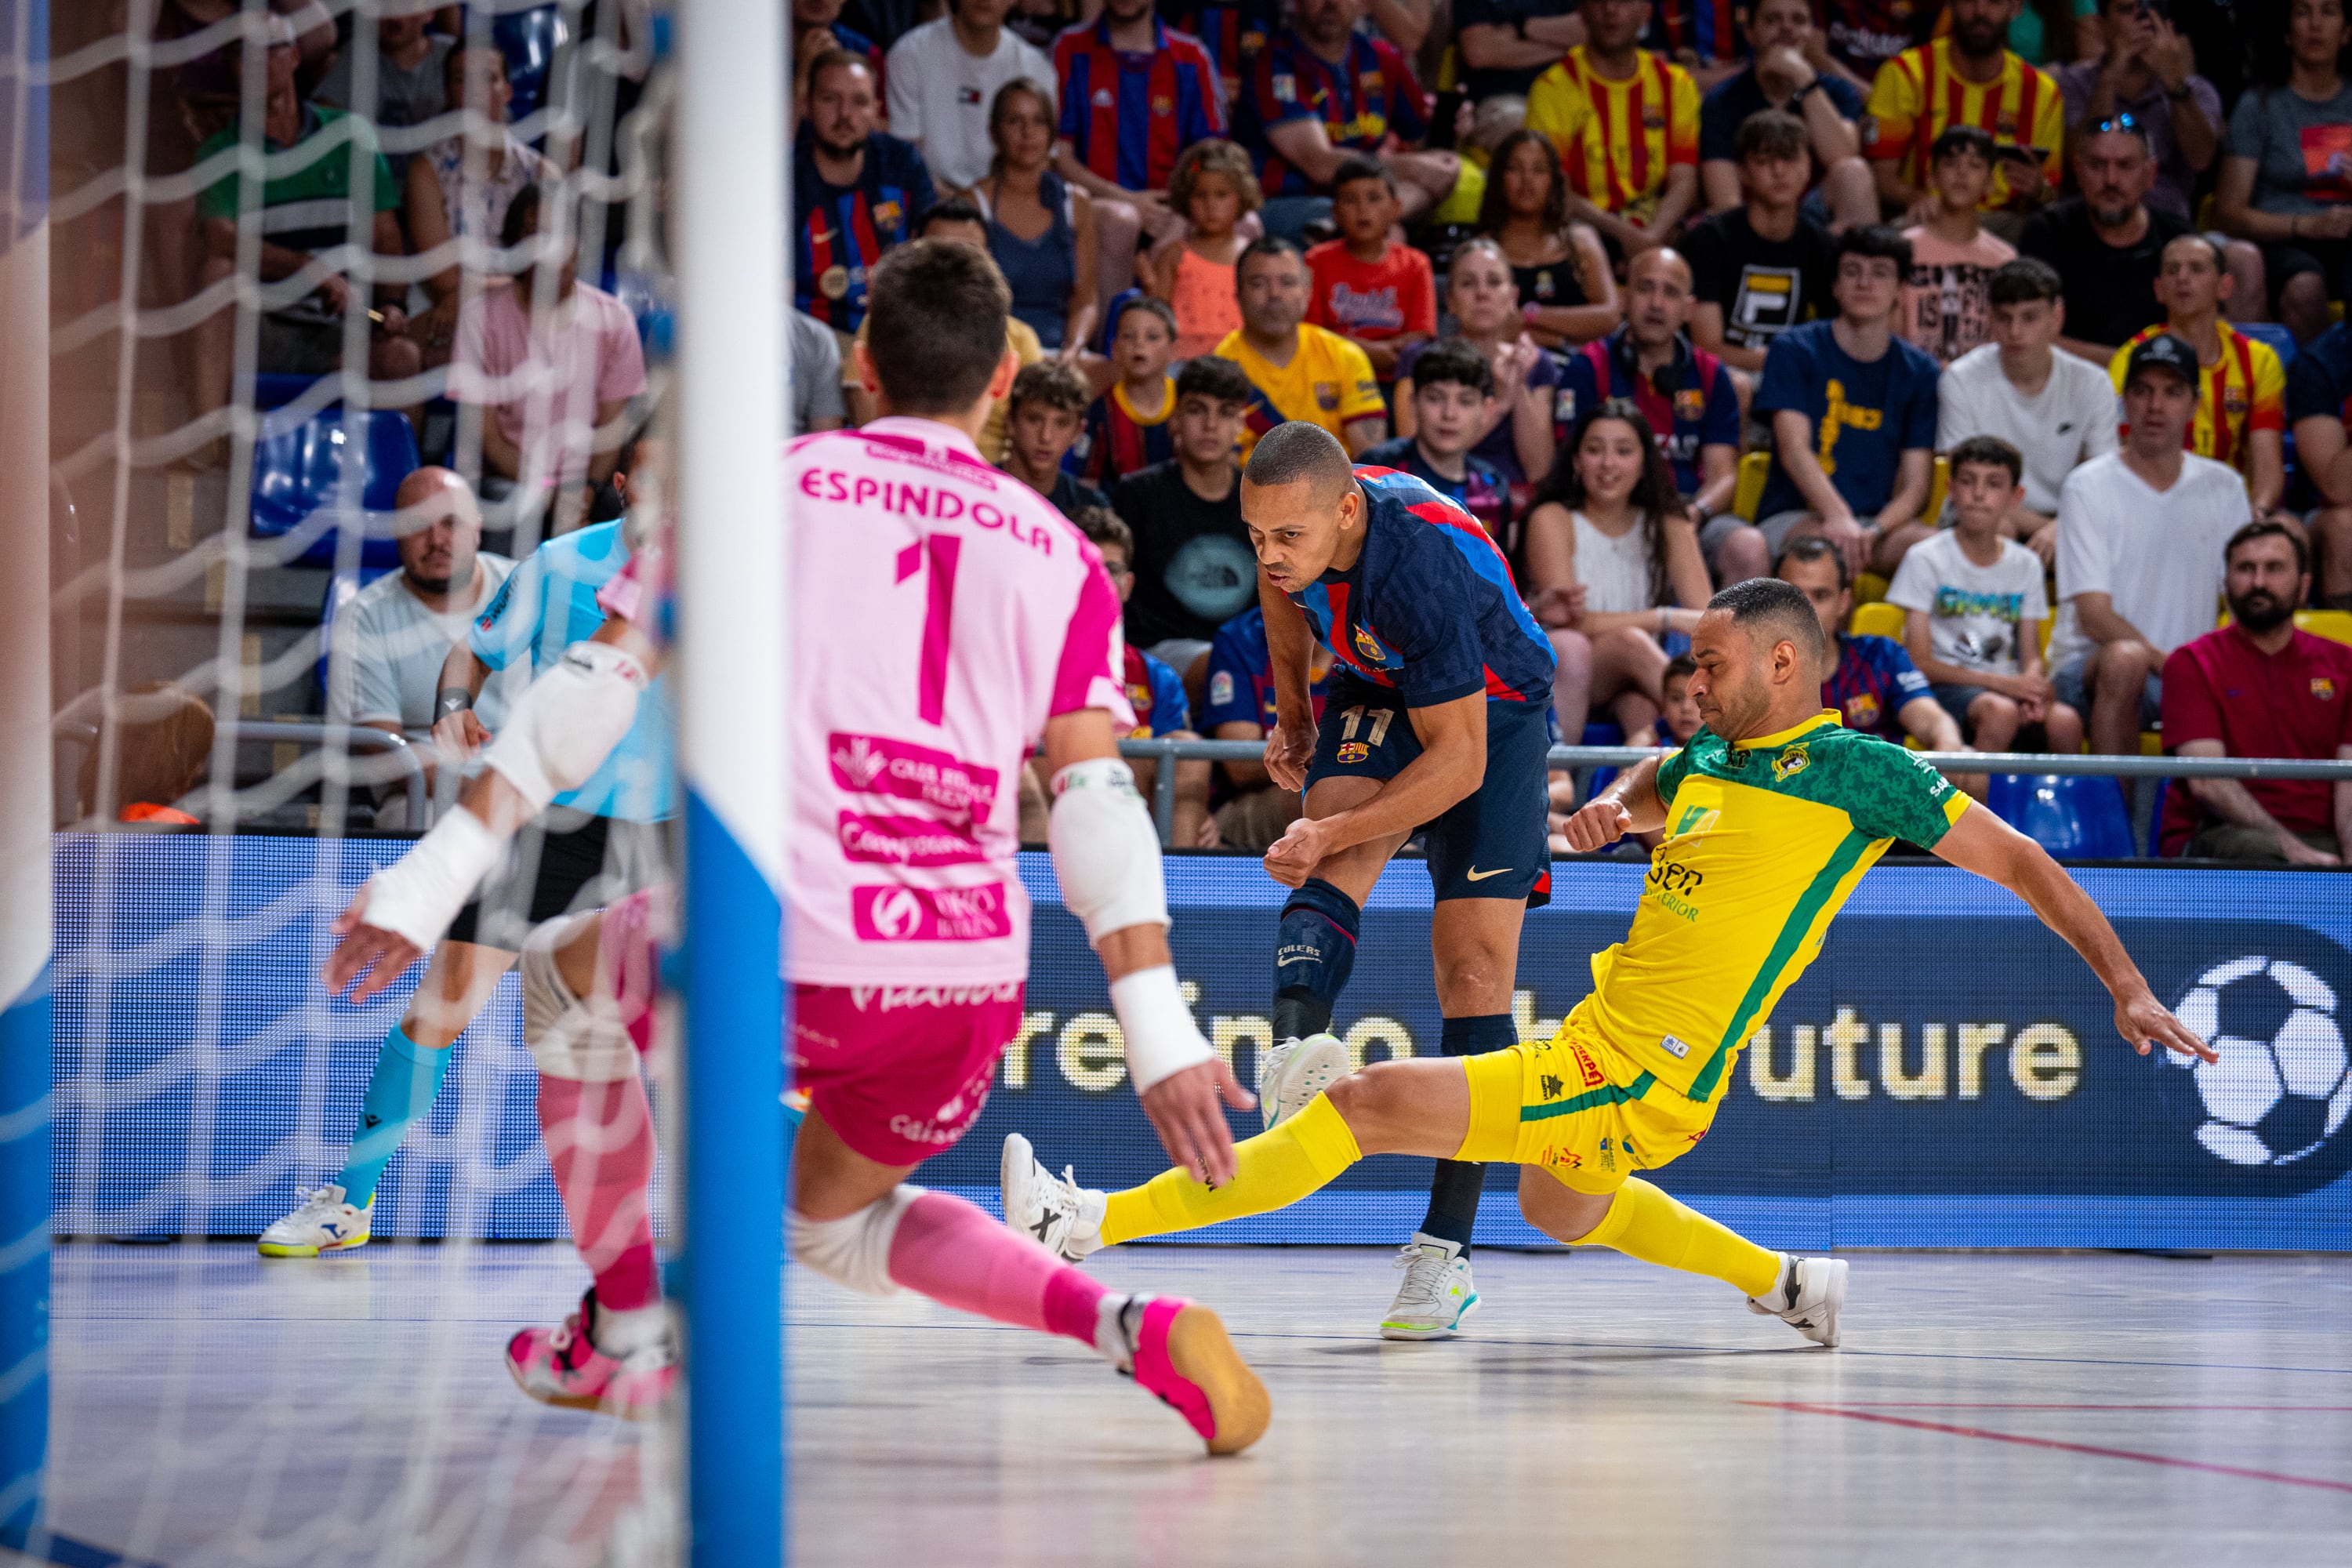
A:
(1798, 95)
(451, 700)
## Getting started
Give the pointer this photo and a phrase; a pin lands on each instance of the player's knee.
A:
(572, 1031)
(853, 1251)
(1370, 1097)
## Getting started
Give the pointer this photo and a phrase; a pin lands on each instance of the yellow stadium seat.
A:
(2151, 745)
(1938, 482)
(1869, 588)
(2335, 626)
(1754, 470)
(2042, 636)
(1878, 619)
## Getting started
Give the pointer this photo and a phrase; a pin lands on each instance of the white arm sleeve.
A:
(564, 726)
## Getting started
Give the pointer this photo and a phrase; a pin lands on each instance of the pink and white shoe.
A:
(1180, 1352)
(562, 1366)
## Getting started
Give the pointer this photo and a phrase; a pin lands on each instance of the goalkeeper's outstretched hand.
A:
(369, 955)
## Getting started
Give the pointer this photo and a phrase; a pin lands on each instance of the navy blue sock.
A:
(1454, 1189)
(1313, 956)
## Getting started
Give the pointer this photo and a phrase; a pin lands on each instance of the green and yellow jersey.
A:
(1765, 840)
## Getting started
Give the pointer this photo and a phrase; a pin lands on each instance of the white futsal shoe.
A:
(1437, 1296)
(322, 1222)
(1809, 1298)
(1065, 1218)
(1293, 1073)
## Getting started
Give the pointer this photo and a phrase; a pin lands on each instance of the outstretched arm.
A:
(1983, 843)
(1630, 805)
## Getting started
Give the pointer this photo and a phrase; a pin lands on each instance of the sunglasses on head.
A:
(2117, 122)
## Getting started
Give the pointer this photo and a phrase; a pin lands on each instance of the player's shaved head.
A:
(1761, 655)
(1301, 504)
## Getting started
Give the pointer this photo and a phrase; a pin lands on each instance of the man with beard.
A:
(2107, 244)
(2259, 688)
(1967, 78)
(856, 192)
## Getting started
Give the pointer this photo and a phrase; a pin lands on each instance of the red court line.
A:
(2091, 1448)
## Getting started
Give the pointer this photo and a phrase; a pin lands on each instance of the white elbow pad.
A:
(568, 722)
(419, 894)
(1106, 852)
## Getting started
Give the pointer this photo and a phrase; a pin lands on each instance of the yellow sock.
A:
(1647, 1223)
(1277, 1169)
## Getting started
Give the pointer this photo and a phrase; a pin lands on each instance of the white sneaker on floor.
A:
(1437, 1296)
(1809, 1298)
(1293, 1073)
(321, 1222)
(1064, 1217)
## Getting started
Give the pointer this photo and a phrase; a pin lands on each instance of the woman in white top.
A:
(459, 188)
(1614, 572)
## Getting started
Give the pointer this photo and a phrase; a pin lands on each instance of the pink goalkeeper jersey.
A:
(943, 612)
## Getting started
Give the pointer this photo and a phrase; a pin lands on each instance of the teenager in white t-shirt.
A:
(943, 76)
(2140, 536)
(2057, 410)
(1977, 605)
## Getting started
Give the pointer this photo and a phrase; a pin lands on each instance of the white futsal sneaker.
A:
(1064, 1217)
(1293, 1073)
(321, 1222)
(1809, 1298)
(1437, 1296)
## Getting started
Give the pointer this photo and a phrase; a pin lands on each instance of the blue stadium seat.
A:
(273, 389)
(342, 589)
(299, 468)
(2075, 817)
(2270, 332)
(529, 40)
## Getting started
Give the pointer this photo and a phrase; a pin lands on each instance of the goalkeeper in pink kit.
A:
(947, 620)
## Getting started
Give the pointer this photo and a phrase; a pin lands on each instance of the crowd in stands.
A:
(2020, 317)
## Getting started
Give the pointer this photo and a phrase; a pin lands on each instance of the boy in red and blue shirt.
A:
(1126, 428)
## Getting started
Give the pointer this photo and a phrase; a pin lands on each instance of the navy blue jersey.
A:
(1481, 491)
(1864, 415)
(842, 230)
(2319, 382)
(1872, 680)
(1701, 410)
(1429, 609)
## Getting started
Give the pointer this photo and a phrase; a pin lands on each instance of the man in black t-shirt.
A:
(2107, 244)
(1507, 44)
(1760, 269)
(1193, 567)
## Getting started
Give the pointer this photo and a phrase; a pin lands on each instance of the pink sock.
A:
(952, 1252)
(600, 1142)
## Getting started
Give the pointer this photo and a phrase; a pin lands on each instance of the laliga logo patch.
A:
(1792, 759)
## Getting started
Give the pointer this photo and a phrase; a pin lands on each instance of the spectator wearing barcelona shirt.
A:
(856, 192)
(1685, 394)
(1379, 295)
(2260, 687)
(1700, 36)
(1298, 371)
(1135, 93)
(1625, 121)
(1321, 93)
(2241, 385)
(1233, 33)
(1875, 687)
(1127, 429)
(1154, 690)
(1967, 78)
(2319, 401)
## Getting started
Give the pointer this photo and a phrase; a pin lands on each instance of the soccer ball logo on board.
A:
(2283, 1087)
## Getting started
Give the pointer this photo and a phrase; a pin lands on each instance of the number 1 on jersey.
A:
(939, 609)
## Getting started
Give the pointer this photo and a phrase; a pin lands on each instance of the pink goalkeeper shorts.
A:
(900, 1072)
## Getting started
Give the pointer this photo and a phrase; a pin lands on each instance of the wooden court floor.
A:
(1987, 1408)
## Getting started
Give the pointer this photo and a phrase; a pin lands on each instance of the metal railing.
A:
(392, 757)
(1578, 758)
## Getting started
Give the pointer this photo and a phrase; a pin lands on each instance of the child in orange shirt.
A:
(1213, 186)
(1379, 295)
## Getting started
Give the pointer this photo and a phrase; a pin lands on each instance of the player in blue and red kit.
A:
(1435, 723)
(1127, 113)
(856, 192)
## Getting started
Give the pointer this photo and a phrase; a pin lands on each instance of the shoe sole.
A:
(623, 1411)
(282, 1249)
(1202, 1354)
(1431, 1332)
(1311, 1069)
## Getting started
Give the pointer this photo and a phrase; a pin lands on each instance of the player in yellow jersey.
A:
(1771, 815)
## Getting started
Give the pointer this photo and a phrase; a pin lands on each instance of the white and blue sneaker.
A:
(1293, 1073)
(321, 1223)
(1809, 1298)
(1437, 1296)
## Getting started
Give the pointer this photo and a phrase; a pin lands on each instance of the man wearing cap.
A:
(2140, 538)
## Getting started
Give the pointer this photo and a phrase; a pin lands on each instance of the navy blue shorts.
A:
(1495, 843)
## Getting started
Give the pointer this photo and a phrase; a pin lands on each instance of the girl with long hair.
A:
(1614, 572)
(1566, 290)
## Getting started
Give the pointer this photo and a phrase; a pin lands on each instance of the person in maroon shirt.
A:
(2259, 688)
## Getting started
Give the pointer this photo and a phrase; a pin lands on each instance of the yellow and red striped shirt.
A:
(2240, 392)
(1917, 95)
(1618, 139)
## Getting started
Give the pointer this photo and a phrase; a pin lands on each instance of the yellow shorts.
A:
(1579, 1108)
